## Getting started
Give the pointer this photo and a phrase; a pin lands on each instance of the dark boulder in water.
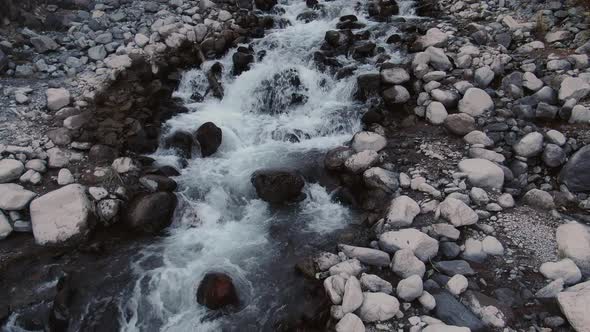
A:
(59, 316)
(280, 92)
(180, 141)
(151, 213)
(217, 291)
(209, 137)
(278, 186)
(242, 60)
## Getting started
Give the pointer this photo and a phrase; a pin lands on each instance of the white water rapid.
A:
(221, 225)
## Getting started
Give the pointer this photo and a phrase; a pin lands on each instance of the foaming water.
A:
(221, 225)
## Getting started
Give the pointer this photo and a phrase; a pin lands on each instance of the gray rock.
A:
(457, 213)
(573, 87)
(396, 95)
(576, 306)
(553, 155)
(580, 114)
(351, 267)
(483, 173)
(433, 37)
(551, 290)
(410, 288)
(475, 102)
(478, 137)
(484, 76)
(374, 283)
(350, 323)
(65, 177)
(361, 161)
(367, 140)
(57, 98)
(43, 44)
(423, 246)
(530, 145)
(394, 75)
(14, 197)
(564, 269)
(573, 242)
(451, 311)
(575, 172)
(406, 264)
(366, 255)
(457, 284)
(460, 123)
(451, 268)
(5, 228)
(539, 199)
(378, 307)
(353, 295)
(97, 53)
(438, 59)
(10, 170)
(380, 178)
(402, 211)
(436, 113)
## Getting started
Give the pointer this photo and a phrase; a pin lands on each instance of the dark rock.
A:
(546, 111)
(371, 117)
(460, 123)
(449, 250)
(335, 158)
(333, 38)
(451, 311)
(209, 137)
(277, 94)
(575, 173)
(242, 62)
(504, 39)
(451, 268)
(368, 85)
(102, 154)
(59, 316)
(3, 61)
(480, 37)
(553, 155)
(214, 79)
(162, 183)
(278, 186)
(180, 141)
(507, 297)
(217, 291)
(151, 213)
(265, 5)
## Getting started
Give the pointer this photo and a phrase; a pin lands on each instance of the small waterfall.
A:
(407, 8)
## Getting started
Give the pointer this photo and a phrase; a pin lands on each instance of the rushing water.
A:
(221, 224)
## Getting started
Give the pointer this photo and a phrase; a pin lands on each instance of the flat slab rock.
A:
(61, 215)
(576, 308)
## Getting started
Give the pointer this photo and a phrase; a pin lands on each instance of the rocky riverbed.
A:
(180, 165)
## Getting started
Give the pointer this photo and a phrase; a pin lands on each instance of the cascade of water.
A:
(222, 226)
(407, 8)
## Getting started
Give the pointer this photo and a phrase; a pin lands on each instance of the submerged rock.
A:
(217, 291)
(278, 186)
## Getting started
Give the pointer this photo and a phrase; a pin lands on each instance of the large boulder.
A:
(573, 242)
(180, 141)
(483, 173)
(367, 140)
(10, 170)
(61, 215)
(576, 306)
(151, 213)
(278, 186)
(402, 211)
(575, 172)
(217, 291)
(209, 138)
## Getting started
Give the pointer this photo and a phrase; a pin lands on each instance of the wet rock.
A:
(483, 173)
(460, 123)
(124, 165)
(180, 141)
(573, 241)
(155, 183)
(574, 174)
(278, 186)
(151, 213)
(539, 198)
(336, 158)
(217, 291)
(209, 137)
(60, 314)
(423, 246)
(451, 311)
(350, 323)
(451, 268)
(242, 61)
(108, 210)
(61, 215)
(380, 178)
(378, 307)
(10, 170)
(14, 197)
(406, 264)
(575, 306)
(457, 213)
(368, 85)
(475, 102)
(359, 162)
